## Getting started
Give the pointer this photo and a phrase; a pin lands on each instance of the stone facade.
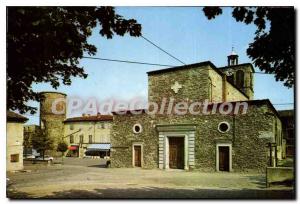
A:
(199, 82)
(245, 73)
(247, 136)
(50, 121)
(249, 151)
(14, 141)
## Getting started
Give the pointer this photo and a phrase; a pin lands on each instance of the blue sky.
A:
(184, 32)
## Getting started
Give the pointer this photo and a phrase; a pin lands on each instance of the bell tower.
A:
(233, 58)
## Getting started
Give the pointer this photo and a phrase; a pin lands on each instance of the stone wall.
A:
(122, 139)
(194, 83)
(249, 151)
(51, 122)
(247, 68)
(232, 93)
(198, 84)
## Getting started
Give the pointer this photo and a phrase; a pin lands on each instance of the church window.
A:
(240, 79)
(224, 127)
(137, 128)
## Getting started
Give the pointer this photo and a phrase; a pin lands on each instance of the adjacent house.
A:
(288, 131)
(14, 141)
(235, 141)
(88, 135)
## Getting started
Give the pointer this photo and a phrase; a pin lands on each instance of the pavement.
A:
(88, 178)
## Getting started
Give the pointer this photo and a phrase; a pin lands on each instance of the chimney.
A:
(233, 58)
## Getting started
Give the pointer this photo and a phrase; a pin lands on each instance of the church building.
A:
(235, 141)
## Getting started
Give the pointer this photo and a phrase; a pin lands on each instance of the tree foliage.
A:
(45, 44)
(62, 147)
(273, 48)
(41, 141)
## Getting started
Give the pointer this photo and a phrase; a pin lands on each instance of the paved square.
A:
(86, 178)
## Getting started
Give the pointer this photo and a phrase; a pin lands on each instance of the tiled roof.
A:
(14, 117)
(90, 118)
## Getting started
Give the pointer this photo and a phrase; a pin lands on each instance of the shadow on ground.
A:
(260, 181)
(163, 193)
(99, 166)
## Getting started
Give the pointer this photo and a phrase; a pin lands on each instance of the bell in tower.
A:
(233, 58)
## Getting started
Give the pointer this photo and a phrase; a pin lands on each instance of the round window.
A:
(137, 128)
(224, 127)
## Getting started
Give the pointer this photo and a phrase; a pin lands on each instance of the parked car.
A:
(46, 158)
(28, 156)
(30, 153)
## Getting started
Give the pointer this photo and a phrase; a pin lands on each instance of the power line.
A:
(127, 61)
(162, 50)
(143, 63)
(262, 73)
(282, 104)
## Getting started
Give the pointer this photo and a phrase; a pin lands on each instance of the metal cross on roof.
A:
(176, 87)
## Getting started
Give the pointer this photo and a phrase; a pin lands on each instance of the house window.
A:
(71, 139)
(71, 127)
(90, 138)
(81, 139)
(14, 158)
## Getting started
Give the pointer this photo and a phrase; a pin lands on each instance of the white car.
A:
(29, 156)
(46, 158)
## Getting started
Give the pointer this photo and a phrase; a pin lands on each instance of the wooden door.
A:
(176, 152)
(137, 156)
(223, 158)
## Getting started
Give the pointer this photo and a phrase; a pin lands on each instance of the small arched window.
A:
(240, 79)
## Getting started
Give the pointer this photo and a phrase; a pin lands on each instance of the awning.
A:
(99, 147)
(73, 147)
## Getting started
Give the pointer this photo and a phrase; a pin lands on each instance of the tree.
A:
(45, 44)
(273, 48)
(41, 142)
(62, 147)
